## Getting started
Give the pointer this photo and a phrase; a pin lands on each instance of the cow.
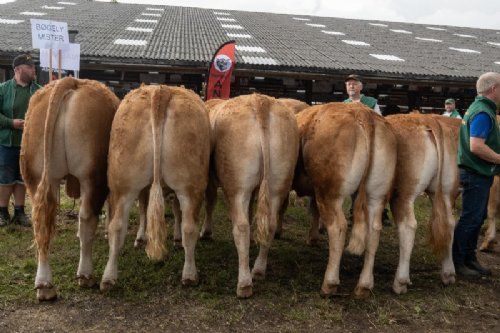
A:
(489, 240)
(66, 135)
(255, 147)
(427, 152)
(160, 143)
(294, 104)
(346, 148)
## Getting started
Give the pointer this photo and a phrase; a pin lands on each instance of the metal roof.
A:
(169, 35)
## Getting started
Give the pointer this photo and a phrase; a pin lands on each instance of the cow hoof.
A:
(46, 292)
(86, 281)
(140, 243)
(400, 288)
(329, 289)
(244, 291)
(206, 235)
(448, 278)
(258, 275)
(178, 244)
(190, 281)
(107, 285)
(362, 292)
(314, 242)
(488, 246)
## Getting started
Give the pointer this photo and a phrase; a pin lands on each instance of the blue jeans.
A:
(475, 195)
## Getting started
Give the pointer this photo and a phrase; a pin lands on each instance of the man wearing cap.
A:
(479, 161)
(14, 98)
(450, 110)
(354, 85)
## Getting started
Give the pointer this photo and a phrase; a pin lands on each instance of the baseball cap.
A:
(23, 59)
(354, 77)
(449, 101)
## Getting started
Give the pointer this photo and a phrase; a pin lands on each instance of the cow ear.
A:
(143, 84)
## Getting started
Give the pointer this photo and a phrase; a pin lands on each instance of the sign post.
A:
(50, 35)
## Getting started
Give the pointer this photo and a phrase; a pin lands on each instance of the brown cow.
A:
(346, 148)
(294, 104)
(71, 120)
(255, 151)
(489, 240)
(160, 139)
(427, 152)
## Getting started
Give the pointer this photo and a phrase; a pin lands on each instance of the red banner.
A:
(220, 70)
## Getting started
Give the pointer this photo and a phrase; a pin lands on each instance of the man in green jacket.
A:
(353, 86)
(479, 161)
(14, 98)
(450, 110)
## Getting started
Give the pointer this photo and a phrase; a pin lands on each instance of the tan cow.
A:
(427, 153)
(160, 139)
(294, 104)
(256, 144)
(66, 136)
(346, 148)
(489, 240)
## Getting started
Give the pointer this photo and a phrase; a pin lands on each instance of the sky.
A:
(464, 13)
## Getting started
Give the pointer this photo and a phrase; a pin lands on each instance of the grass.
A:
(288, 300)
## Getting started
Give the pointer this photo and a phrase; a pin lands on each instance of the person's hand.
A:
(18, 123)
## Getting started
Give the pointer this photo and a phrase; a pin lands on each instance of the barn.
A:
(297, 56)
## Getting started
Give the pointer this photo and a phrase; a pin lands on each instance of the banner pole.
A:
(50, 65)
(59, 64)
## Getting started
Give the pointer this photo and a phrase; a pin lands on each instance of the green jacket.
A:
(7, 97)
(455, 114)
(465, 157)
(368, 101)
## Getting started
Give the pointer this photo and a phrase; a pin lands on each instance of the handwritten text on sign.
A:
(49, 34)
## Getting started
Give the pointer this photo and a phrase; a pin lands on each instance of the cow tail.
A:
(44, 201)
(262, 216)
(156, 226)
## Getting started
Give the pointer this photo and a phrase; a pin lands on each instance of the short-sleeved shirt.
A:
(480, 125)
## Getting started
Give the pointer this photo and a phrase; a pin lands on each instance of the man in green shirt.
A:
(479, 161)
(14, 98)
(354, 85)
(450, 110)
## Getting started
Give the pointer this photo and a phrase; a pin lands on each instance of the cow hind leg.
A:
(210, 201)
(489, 241)
(365, 283)
(46, 291)
(313, 236)
(117, 231)
(335, 222)
(176, 210)
(190, 207)
(259, 268)
(239, 204)
(92, 201)
(407, 225)
(140, 238)
(447, 265)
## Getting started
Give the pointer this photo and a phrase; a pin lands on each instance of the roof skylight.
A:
(387, 57)
(132, 42)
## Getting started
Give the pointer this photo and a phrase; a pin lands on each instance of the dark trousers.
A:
(475, 195)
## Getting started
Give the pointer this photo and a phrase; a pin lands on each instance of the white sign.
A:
(70, 58)
(49, 34)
